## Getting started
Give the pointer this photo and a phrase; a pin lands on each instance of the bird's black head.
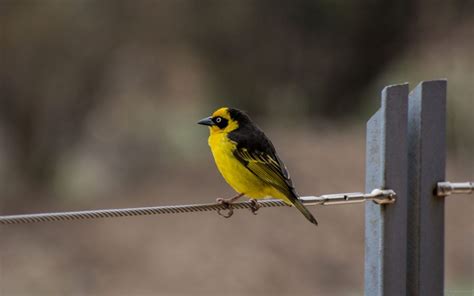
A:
(226, 120)
(240, 116)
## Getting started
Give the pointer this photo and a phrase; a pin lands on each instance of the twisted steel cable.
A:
(377, 195)
(128, 212)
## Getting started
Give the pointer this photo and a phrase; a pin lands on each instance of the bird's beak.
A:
(206, 121)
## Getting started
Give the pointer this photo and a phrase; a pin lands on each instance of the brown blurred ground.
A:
(274, 253)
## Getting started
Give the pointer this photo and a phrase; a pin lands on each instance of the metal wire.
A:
(449, 188)
(378, 196)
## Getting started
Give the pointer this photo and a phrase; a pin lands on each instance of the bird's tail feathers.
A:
(299, 205)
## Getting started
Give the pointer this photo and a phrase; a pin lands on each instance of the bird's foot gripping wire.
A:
(227, 207)
(254, 206)
(227, 203)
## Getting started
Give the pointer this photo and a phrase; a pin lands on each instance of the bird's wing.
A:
(268, 167)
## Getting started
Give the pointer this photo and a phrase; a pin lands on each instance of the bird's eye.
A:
(220, 122)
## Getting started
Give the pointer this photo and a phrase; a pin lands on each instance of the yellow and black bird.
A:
(248, 161)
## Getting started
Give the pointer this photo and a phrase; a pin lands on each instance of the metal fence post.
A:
(427, 156)
(386, 167)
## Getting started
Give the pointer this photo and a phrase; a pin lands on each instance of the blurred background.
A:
(98, 108)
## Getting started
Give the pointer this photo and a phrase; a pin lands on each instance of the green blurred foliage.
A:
(121, 83)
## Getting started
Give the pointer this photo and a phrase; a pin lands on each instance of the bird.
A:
(248, 161)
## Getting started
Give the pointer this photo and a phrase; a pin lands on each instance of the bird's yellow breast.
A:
(234, 172)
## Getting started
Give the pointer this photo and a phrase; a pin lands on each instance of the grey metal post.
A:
(386, 225)
(427, 156)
